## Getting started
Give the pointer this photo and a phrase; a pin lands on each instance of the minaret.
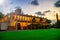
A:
(57, 16)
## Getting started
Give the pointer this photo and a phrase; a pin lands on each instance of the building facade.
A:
(19, 21)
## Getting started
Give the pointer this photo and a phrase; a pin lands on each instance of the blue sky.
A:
(29, 8)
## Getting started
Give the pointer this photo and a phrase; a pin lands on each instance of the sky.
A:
(31, 7)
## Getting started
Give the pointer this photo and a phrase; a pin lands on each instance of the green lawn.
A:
(49, 34)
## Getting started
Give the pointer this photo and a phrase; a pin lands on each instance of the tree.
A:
(34, 25)
(56, 25)
(48, 21)
(37, 25)
(1, 15)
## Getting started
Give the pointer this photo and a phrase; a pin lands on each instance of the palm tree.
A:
(41, 19)
(33, 21)
(32, 24)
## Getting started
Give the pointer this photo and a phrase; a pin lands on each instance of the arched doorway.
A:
(18, 26)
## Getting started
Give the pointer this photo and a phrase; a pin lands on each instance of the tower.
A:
(18, 11)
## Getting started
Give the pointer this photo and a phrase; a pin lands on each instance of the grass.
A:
(43, 34)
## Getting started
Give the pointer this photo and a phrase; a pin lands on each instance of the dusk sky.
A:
(31, 7)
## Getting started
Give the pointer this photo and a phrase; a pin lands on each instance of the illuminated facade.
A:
(17, 18)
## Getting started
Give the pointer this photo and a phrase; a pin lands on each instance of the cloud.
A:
(57, 4)
(18, 7)
(11, 2)
(35, 2)
(39, 13)
(47, 11)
